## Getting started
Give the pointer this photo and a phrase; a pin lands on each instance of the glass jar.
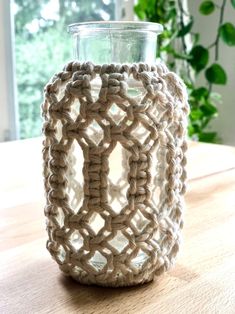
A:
(114, 156)
(116, 43)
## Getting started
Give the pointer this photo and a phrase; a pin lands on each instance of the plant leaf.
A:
(233, 3)
(200, 93)
(196, 38)
(199, 57)
(139, 12)
(191, 130)
(209, 110)
(181, 56)
(216, 74)
(207, 7)
(196, 114)
(185, 30)
(227, 33)
(209, 137)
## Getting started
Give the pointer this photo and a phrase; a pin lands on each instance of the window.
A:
(41, 47)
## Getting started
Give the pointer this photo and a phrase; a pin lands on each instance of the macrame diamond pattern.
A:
(89, 238)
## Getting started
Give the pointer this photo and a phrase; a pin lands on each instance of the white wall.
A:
(207, 26)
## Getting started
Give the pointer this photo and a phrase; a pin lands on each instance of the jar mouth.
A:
(115, 26)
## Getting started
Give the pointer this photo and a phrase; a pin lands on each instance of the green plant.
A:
(184, 53)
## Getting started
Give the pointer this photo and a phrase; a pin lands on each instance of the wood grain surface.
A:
(203, 280)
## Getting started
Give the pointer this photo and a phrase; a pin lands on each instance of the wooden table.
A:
(203, 280)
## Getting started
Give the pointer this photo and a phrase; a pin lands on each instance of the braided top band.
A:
(104, 231)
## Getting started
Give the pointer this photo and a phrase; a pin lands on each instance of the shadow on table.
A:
(134, 299)
(89, 296)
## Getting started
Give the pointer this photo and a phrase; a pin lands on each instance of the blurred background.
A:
(198, 43)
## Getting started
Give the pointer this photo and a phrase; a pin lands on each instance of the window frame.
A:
(7, 63)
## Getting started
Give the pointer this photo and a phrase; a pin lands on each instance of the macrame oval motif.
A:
(114, 171)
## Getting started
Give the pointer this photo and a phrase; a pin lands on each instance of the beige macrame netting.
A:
(126, 120)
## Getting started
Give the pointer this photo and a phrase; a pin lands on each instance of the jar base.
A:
(109, 279)
(112, 283)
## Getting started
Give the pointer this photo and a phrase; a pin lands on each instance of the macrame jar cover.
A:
(90, 238)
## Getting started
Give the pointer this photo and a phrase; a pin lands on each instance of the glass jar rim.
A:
(115, 26)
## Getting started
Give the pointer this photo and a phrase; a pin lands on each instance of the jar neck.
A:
(115, 42)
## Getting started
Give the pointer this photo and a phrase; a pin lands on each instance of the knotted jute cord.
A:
(141, 239)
